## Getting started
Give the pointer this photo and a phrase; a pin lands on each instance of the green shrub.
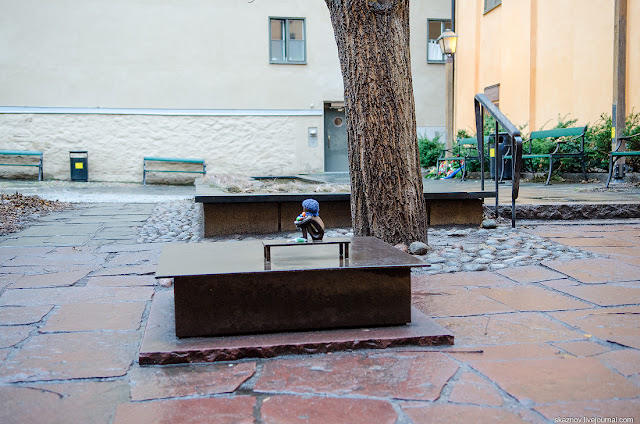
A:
(599, 139)
(430, 150)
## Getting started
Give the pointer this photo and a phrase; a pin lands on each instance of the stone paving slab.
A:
(445, 412)
(121, 281)
(64, 356)
(60, 296)
(19, 315)
(522, 327)
(597, 270)
(181, 381)
(161, 346)
(408, 376)
(603, 294)
(530, 274)
(73, 402)
(529, 299)
(474, 389)
(618, 325)
(95, 317)
(11, 336)
(320, 410)
(463, 302)
(618, 409)
(582, 348)
(53, 279)
(236, 410)
(558, 380)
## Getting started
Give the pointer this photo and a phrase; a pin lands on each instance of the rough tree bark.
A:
(387, 200)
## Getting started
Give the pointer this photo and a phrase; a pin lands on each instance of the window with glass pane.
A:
(287, 38)
(435, 27)
(491, 4)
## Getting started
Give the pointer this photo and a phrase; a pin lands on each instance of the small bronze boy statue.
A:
(309, 221)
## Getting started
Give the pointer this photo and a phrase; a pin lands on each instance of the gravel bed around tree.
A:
(450, 249)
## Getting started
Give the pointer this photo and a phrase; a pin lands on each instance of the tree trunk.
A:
(387, 200)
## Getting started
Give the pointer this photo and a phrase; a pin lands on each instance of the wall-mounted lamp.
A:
(448, 41)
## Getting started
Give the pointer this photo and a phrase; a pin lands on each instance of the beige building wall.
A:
(159, 61)
(552, 59)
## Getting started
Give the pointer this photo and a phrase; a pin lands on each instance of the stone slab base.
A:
(571, 211)
(160, 346)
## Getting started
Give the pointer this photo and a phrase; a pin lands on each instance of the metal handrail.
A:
(483, 104)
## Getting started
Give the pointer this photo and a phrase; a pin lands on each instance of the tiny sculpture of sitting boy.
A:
(309, 221)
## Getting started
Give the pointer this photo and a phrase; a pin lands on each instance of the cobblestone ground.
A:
(452, 249)
(556, 339)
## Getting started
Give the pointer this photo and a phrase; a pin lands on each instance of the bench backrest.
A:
(156, 159)
(20, 153)
(558, 132)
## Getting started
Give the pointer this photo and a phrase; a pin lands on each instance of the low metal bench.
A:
(563, 149)
(171, 160)
(24, 153)
(617, 154)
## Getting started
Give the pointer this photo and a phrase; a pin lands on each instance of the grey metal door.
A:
(335, 141)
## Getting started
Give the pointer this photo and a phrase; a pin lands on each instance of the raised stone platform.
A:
(160, 346)
(231, 288)
(226, 213)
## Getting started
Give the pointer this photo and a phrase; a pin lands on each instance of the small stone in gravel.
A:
(489, 223)
(418, 248)
(403, 247)
(165, 282)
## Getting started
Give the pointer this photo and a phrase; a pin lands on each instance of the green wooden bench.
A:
(465, 151)
(24, 153)
(564, 147)
(171, 160)
(617, 154)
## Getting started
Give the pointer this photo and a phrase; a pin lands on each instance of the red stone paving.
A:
(596, 270)
(530, 274)
(54, 279)
(121, 281)
(59, 296)
(71, 355)
(16, 315)
(161, 346)
(582, 348)
(593, 241)
(234, 410)
(509, 352)
(556, 379)
(128, 270)
(318, 410)
(532, 299)
(416, 376)
(11, 336)
(625, 361)
(523, 327)
(443, 413)
(458, 280)
(619, 325)
(456, 303)
(73, 402)
(58, 258)
(132, 258)
(180, 381)
(471, 388)
(618, 409)
(95, 316)
(604, 295)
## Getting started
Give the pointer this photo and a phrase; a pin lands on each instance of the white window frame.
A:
(287, 60)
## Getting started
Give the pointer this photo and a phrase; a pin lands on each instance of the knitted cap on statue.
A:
(309, 221)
